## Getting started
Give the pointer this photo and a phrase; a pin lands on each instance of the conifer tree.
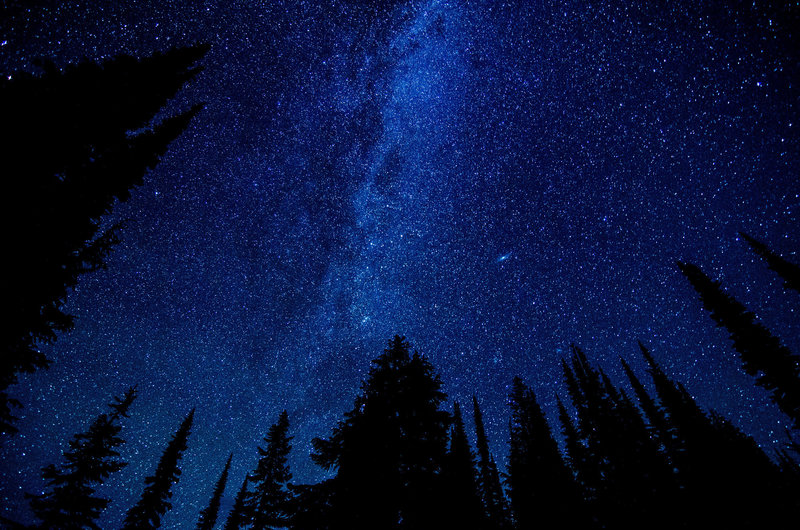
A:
(460, 489)
(237, 518)
(659, 426)
(727, 479)
(785, 269)
(542, 489)
(78, 140)
(763, 356)
(154, 503)
(71, 501)
(208, 516)
(268, 505)
(311, 505)
(389, 449)
(625, 474)
(491, 491)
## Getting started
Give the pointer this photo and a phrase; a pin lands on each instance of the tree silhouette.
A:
(491, 491)
(763, 356)
(268, 505)
(77, 141)
(154, 503)
(71, 501)
(462, 503)
(542, 489)
(785, 269)
(208, 516)
(389, 449)
(237, 517)
(727, 479)
(624, 474)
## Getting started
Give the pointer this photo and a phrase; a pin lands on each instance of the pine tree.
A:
(785, 269)
(268, 505)
(208, 517)
(763, 356)
(459, 486)
(78, 140)
(72, 502)
(491, 491)
(542, 489)
(154, 503)
(237, 518)
(389, 449)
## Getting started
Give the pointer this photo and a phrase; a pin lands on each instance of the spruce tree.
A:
(268, 505)
(154, 503)
(542, 489)
(237, 518)
(491, 491)
(208, 516)
(70, 501)
(459, 487)
(785, 269)
(763, 356)
(389, 449)
(78, 139)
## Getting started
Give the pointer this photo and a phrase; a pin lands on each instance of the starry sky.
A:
(493, 180)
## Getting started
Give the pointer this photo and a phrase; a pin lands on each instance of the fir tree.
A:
(389, 449)
(459, 487)
(237, 518)
(491, 491)
(154, 503)
(208, 517)
(268, 505)
(763, 356)
(785, 269)
(542, 489)
(72, 502)
(79, 139)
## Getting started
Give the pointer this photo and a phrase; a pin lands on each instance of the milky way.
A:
(494, 181)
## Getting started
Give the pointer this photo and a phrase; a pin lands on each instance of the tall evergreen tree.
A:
(389, 449)
(624, 473)
(461, 500)
(237, 518)
(208, 516)
(78, 139)
(785, 269)
(154, 503)
(491, 491)
(763, 356)
(542, 489)
(268, 505)
(71, 501)
(659, 426)
(727, 479)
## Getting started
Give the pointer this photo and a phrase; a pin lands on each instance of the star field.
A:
(493, 180)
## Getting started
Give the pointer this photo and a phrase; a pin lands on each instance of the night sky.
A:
(493, 180)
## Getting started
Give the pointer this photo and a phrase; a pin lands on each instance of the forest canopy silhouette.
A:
(638, 454)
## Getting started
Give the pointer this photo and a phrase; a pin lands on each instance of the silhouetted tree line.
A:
(75, 141)
(640, 455)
